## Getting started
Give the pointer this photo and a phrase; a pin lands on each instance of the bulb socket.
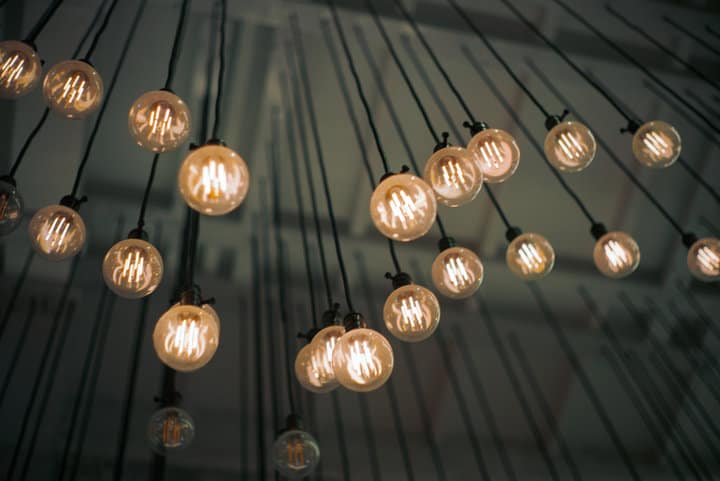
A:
(331, 316)
(8, 179)
(138, 233)
(512, 233)
(443, 143)
(446, 243)
(632, 127)
(598, 230)
(688, 239)
(191, 296)
(292, 422)
(476, 127)
(354, 320)
(399, 280)
(73, 202)
(553, 120)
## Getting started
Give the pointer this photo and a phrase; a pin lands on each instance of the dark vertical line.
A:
(369, 438)
(19, 347)
(257, 314)
(340, 433)
(15, 294)
(244, 366)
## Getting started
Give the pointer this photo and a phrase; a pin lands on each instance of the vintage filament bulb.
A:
(186, 336)
(57, 232)
(703, 259)
(20, 69)
(530, 256)
(159, 121)
(73, 89)
(454, 175)
(616, 255)
(170, 429)
(133, 268)
(403, 207)
(411, 313)
(497, 153)
(362, 359)
(295, 452)
(457, 272)
(656, 144)
(570, 146)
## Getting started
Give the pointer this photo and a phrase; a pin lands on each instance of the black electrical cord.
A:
(100, 32)
(42, 21)
(19, 346)
(175, 54)
(221, 69)
(257, 315)
(146, 195)
(13, 297)
(698, 39)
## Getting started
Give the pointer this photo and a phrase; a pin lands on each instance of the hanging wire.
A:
(19, 346)
(148, 188)
(15, 294)
(221, 69)
(42, 21)
(257, 315)
(175, 54)
(100, 32)
(699, 40)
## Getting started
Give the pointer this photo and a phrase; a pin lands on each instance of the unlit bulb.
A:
(296, 454)
(170, 429)
(362, 360)
(570, 146)
(616, 255)
(20, 69)
(656, 144)
(403, 207)
(133, 268)
(411, 313)
(186, 336)
(530, 256)
(497, 154)
(159, 121)
(454, 176)
(457, 272)
(11, 208)
(704, 259)
(57, 232)
(73, 89)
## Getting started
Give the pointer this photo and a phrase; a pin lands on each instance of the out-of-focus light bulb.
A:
(73, 89)
(411, 313)
(362, 360)
(20, 69)
(170, 429)
(186, 336)
(213, 179)
(497, 153)
(616, 255)
(159, 121)
(403, 207)
(570, 146)
(296, 454)
(57, 232)
(133, 268)
(656, 144)
(530, 256)
(457, 272)
(11, 207)
(454, 176)
(313, 364)
(704, 259)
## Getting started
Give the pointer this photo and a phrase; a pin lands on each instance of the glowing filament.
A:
(452, 173)
(320, 368)
(296, 455)
(457, 272)
(363, 365)
(659, 145)
(412, 316)
(160, 121)
(12, 68)
(402, 207)
(56, 233)
(172, 431)
(571, 147)
(708, 261)
(74, 88)
(618, 257)
(130, 269)
(3, 205)
(491, 154)
(186, 338)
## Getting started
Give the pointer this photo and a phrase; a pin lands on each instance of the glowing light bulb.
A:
(454, 176)
(616, 255)
(296, 454)
(73, 89)
(704, 259)
(497, 153)
(159, 121)
(187, 336)
(170, 429)
(530, 256)
(411, 313)
(57, 232)
(133, 268)
(362, 360)
(313, 364)
(11, 208)
(656, 144)
(403, 207)
(213, 179)
(20, 69)
(570, 146)
(457, 272)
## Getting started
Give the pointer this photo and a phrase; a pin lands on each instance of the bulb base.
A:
(191, 296)
(553, 120)
(688, 239)
(443, 143)
(138, 233)
(331, 316)
(354, 320)
(476, 127)
(399, 280)
(632, 127)
(446, 243)
(73, 202)
(292, 422)
(598, 230)
(8, 179)
(512, 233)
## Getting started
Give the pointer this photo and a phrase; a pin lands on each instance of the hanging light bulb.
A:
(57, 232)
(170, 429)
(656, 144)
(11, 206)
(213, 179)
(454, 176)
(159, 121)
(403, 207)
(616, 254)
(20, 69)
(704, 259)
(73, 89)
(133, 267)
(570, 146)
(186, 336)
(497, 153)
(457, 272)
(529, 256)
(411, 312)
(313, 364)
(296, 453)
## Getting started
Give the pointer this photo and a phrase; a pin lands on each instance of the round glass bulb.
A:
(454, 175)
(57, 232)
(704, 259)
(133, 268)
(186, 337)
(11, 208)
(616, 255)
(570, 146)
(20, 69)
(362, 360)
(656, 144)
(73, 89)
(530, 256)
(411, 313)
(159, 121)
(497, 153)
(457, 272)
(213, 179)
(296, 454)
(170, 429)
(313, 364)
(403, 207)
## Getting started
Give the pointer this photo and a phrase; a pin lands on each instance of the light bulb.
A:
(704, 259)
(570, 146)
(213, 179)
(20, 69)
(497, 153)
(530, 256)
(313, 364)
(454, 176)
(133, 268)
(57, 232)
(159, 121)
(616, 255)
(73, 89)
(170, 429)
(457, 272)
(187, 336)
(656, 144)
(362, 360)
(403, 207)
(411, 313)
(11, 208)
(296, 454)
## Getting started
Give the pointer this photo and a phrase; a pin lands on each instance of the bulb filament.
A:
(73, 88)
(708, 261)
(457, 272)
(296, 455)
(491, 154)
(412, 317)
(172, 431)
(56, 233)
(214, 180)
(573, 149)
(320, 370)
(452, 173)
(402, 207)
(130, 268)
(160, 122)
(659, 145)
(531, 260)
(617, 256)
(12, 68)
(186, 338)
(363, 365)
(3, 205)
